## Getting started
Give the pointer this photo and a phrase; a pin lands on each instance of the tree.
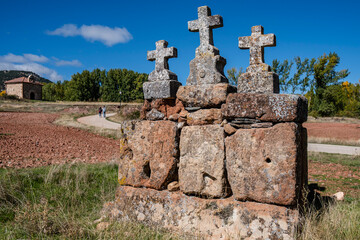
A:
(233, 75)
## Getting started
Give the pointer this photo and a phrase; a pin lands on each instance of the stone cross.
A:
(205, 24)
(256, 42)
(161, 55)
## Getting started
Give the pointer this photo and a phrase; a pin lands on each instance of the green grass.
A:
(347, 160)
(62, 202)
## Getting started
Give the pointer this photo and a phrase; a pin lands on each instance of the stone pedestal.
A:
(205, 218)
(258, 82)
(205, 96)
(161, 89)
(207, 69)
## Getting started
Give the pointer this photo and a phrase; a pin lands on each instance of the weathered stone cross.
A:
(161, 55)
(205, 24)
(256, 42)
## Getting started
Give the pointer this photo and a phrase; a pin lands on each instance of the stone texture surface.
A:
(168, 107)
(204, 116)
(269, 164)
(150, 155)
(161, 56)
(154, 115)
(229, 129)
(258, 78)
(161, 89)
(210, 218)
(205, 96)
(258, 82)
(208, 65)
(202, 166)
(266, 107)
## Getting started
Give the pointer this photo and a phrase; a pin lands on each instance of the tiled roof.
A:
(22, 80)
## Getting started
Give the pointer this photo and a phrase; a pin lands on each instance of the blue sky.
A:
(59, 38)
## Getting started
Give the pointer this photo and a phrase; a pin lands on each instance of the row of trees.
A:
(319, 81)
(98, 85)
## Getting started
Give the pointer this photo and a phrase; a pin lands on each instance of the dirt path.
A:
(30, 139)
(96, 121)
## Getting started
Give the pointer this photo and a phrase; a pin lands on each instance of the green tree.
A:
(49, 92)
(233, 75)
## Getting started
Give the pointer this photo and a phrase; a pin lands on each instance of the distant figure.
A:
(100, 111)
(104, 111)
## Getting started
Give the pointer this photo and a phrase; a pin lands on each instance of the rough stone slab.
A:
(207, 69)
(150, 155)
(266, 107)
(204, 96)
(258, 82)
(202, 166)
(168, 107)
(209, 218)
(204, 116)
(161, 89)
(267, 165)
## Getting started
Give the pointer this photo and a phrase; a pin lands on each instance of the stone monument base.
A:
(209, 218)
(161, 89)
(258, 82)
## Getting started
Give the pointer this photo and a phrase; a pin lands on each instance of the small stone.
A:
(262, 125)
(205, 116)
(339, 196)
(174, 117)
(192, 109)
(223, 123)
(243, 126)
(102, 226)
(205, 96)
(173, 186)
(229, 129)
(154, 115)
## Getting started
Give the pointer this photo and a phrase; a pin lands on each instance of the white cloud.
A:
(33, 67)
(75, 63)
(36, 58)
(25, 58)
(106, 35)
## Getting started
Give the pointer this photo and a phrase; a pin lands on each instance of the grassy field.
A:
(62, 202)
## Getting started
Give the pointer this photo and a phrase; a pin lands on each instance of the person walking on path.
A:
(100, 111)
(104, 111)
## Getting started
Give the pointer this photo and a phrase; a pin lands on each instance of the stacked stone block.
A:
(218, 161)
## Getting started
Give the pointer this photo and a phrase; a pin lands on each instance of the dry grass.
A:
(334, 141)
(333, 120)
(339, 221)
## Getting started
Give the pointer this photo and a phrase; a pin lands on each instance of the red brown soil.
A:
(32, 140)
(339, 131)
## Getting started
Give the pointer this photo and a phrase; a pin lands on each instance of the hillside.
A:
(6, 75)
